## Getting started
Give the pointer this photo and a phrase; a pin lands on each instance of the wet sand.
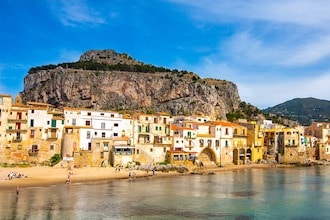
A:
(39, 176)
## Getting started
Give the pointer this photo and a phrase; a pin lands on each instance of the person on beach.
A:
(68, 180)
(17, 190)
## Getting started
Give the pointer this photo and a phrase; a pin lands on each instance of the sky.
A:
(274, 51)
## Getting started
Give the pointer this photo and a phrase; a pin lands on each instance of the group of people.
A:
(13, 175)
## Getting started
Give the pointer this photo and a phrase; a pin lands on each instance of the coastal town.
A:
(33, 133)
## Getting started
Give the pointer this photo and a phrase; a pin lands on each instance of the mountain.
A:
(105, 79)
(303, 110)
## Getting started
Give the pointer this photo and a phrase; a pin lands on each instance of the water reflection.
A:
(297, 193)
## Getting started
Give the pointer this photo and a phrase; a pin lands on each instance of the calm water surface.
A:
(291, 193)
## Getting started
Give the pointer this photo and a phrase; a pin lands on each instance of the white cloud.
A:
(288, 33)
(301, 12)
(76, 12)
(313, 51)
(267, 94)
(69, 55)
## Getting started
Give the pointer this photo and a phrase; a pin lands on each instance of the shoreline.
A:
(45, 176)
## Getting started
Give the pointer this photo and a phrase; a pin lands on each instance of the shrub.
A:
(55, 159)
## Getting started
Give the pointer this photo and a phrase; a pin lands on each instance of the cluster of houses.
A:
(35, 132)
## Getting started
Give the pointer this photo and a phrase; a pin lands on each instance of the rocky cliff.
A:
(112, 81)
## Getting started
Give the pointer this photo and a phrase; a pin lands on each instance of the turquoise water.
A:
(291, 193)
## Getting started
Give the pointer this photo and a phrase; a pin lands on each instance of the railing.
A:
(291, 145)
(13, 130)
(33, 153)
(17, 139)
(54, 136)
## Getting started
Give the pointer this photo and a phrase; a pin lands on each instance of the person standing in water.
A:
(17, 190)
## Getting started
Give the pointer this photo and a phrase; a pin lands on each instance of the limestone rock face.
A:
(108, 57)
(173, 92)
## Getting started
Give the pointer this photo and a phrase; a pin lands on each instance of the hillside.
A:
(105, 79)
(303, 110)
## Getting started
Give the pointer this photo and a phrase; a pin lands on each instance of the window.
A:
(32, 111)
(51, 147)
(32, 134)
(88, 136)
(115, 124)
(31, 123)
(102, 155)
(112, 115)
(201, 143)
(217, 143)
(73, 121)
(151, 150)
(103, 125)
(53, 123)
(88, 123)
(226, 143)
(106, 146)
(48, 122)
(89, 146)
(115, 134)
(89, 113)
(103, 134)
(102, 114)
(35, 148)
(226, 131)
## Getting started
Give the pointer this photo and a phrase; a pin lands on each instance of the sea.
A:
(253, 193)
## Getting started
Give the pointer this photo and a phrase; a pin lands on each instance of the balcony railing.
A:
(33, 153)
(14, 120)
(291, 145)
(52, 137)
(17, 139)
(14, 130)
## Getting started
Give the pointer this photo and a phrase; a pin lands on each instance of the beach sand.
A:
(40, 176)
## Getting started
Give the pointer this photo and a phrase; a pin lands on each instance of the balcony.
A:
(239, 135)
(14, 120)
(52, 137)
(291, 145)
(189, 137)
(17, 139)
(14, 130)
(33, 153)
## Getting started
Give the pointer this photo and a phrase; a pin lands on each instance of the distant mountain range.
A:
(303, 110)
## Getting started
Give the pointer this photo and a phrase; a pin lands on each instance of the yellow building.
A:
(255, 140)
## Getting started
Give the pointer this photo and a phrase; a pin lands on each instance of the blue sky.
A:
(273, 51)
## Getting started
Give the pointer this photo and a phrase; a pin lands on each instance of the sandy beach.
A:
(39, 176)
